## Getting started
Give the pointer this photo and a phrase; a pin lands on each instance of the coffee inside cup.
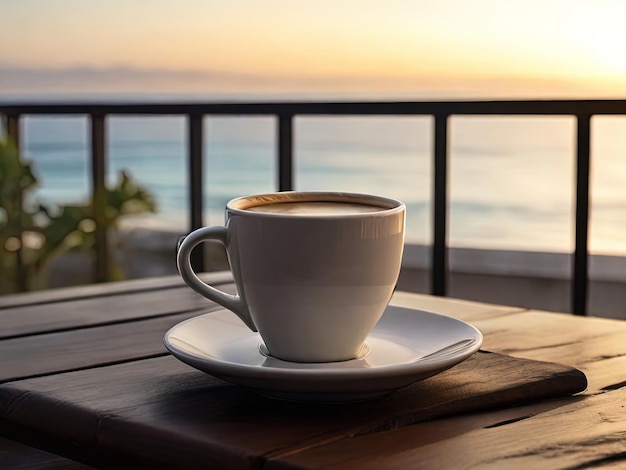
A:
(315, 208)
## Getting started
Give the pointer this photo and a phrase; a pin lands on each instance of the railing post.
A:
(580, 275)
(196, 190)
(439, 268)
(98, 196)
(285, 152)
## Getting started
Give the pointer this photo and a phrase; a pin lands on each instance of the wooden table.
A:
(85, 375)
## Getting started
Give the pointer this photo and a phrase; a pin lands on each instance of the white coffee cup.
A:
(314, 270)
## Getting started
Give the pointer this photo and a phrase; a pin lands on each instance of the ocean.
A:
(511, 178)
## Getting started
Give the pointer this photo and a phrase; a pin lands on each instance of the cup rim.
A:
(387, 205)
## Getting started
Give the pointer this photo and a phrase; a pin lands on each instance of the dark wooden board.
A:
(14, 455)
(161, 411)
(587, 432)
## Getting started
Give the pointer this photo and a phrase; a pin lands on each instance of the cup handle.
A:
(233, 303)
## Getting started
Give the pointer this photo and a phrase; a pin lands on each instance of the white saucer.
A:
(406, 346)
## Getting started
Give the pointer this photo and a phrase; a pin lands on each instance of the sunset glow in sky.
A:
(447, 47)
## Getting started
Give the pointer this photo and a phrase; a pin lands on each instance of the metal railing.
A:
(285, 112)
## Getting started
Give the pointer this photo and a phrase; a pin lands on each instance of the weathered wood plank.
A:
(107, 289)
(161, 409)
(90, 347)
(594, 345)
(14, 455)
(536, 332)
(91, 290)
(462, 309)
(72, 314)
(585, 433)
(89, 312)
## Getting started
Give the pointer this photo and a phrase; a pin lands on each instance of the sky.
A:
(409, 48)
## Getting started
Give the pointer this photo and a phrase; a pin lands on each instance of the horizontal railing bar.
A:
(514, 107)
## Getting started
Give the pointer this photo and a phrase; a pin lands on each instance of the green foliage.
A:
(31, 235)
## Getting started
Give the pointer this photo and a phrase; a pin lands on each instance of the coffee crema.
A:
(315, 208)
